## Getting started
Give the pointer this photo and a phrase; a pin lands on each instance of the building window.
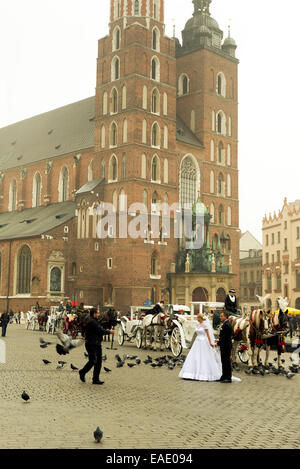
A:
(63, 188)
(36, 193)
(221, 84)
(24, 271)
(278, 237)
(183, 85)
(13, 196)
(155, 69)
(90, 171)
(113, 135)
(188, 182)
(278, 256)
(286, 268)
(278, 283)
(267, 240)
(136, 7)
(109, 263)
(114, 101)
(221, 215)
(124, 166)
(269, 284)
(298, 232)
(155, 101)
(155, 39)
(267, 258)
(297, 253)
(115, 69)
(55, 281)
(273, 238)
(285, 244)
(154, 266)
(155, 171)
(113, 169)
(155, 135)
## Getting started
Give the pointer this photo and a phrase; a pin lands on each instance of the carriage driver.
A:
(231, 302)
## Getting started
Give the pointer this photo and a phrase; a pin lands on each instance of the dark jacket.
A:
(4, 319)
(230, 306)
(94, 332)
(225, 338)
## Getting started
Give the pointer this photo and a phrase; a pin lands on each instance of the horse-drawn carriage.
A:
(54, 319)
(130, 327)
(36, 317)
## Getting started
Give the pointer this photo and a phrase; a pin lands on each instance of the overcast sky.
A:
(48, 52)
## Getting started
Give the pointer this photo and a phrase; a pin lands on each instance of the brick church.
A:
(161, 128)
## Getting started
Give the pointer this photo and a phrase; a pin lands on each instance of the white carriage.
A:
(182, 329)
(53, 319)
(31, 320)
(130, 328)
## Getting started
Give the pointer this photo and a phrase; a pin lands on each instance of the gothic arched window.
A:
(114, 101)
(155, 101)
(24, 271)
(13, 196)
(63, 189)
(188, 182)
(36, 193)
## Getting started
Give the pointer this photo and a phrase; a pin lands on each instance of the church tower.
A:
(207, 101)
(135, 142)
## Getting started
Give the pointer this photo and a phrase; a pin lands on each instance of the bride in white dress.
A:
(203, 362)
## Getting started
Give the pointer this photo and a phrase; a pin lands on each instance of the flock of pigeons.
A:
(168, 361)
(271, 369)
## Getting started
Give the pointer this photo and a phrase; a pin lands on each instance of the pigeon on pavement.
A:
(98, 434)
(25, 396)
(73, 367)
(107, 370)
(131, 365)
(46, 362)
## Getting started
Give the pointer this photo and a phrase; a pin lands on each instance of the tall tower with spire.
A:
(207, 101)
(135, 140)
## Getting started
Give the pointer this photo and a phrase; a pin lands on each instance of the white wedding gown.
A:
(203, 362)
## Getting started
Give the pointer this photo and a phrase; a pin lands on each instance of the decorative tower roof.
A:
(201, 29)
(229, 45)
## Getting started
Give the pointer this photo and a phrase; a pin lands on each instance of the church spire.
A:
(202, 6)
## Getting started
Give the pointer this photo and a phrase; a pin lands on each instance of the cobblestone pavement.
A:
(140, 407)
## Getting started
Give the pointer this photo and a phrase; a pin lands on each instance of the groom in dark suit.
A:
(225, 344)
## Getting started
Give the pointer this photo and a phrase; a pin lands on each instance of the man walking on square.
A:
(93, 337)
(225, 344)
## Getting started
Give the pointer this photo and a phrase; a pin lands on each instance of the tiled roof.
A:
(35, 221)
(64, 130)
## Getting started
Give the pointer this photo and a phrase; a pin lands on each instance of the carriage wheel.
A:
(120, 335)
(243, 356)
(175, 342)
(138, 338)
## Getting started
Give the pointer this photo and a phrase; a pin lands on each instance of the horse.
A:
(241, 327)
(259, 327)
(278, 327)
(154, 324)
(42, 317)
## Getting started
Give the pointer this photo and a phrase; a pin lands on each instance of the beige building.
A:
(250, 272)
(281, 254)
